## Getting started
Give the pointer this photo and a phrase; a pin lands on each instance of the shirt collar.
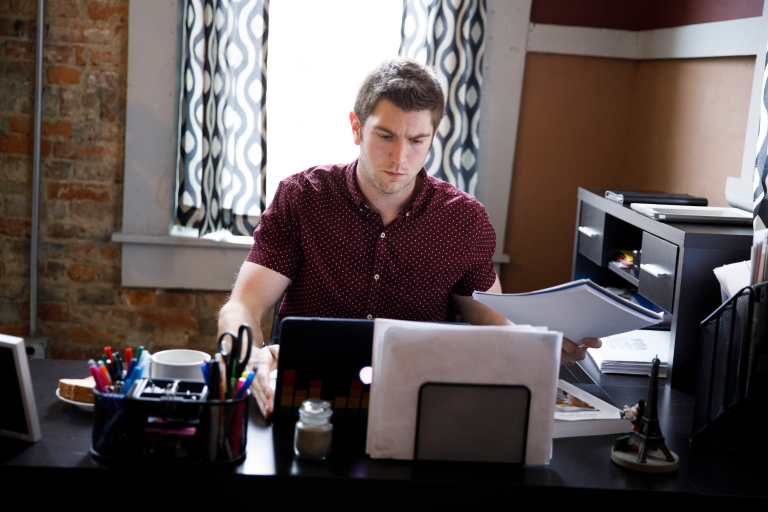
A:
(357, 195)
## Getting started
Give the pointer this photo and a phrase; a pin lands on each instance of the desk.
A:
(59, 465)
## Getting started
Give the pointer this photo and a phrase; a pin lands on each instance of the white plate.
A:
(82, 405)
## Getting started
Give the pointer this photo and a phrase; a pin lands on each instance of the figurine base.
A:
(655, 462)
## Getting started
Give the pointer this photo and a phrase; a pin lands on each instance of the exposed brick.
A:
(13, 290)
(19, 329)
(63, 9)
(53, 270)
(51, 100)
(176, 300)
(60, 129)
(93, 295)
(18, 206)
(79, 151)
(82, 252)
(63, 75)
(56, 169)
(137, 297)
(54, 210)
(13, 27)
(105, 58)
(102, 10)
(80, 55)
(23, 69)
(61, 230)
(17, 169)
(108, 253)
(214, 300)
(18, 144)
(21, 124)
(53, 312)
(15, 227)
(79, 191)
(169, 319)
(47, 293)
(94, 336)
(24, 50)
(65, 32)
(82, 273)
(97, 35)
(60, 54)
(88, 210)
(23, 7)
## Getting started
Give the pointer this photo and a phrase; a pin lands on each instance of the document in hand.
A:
(409, 354)
(578, 413)
(579, 309)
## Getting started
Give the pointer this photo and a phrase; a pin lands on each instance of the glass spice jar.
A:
(312, 439)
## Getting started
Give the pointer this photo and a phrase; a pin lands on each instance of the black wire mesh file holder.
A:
(733, 375)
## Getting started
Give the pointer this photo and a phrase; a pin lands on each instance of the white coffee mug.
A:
(178, 364)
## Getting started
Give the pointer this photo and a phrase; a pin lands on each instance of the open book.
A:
(579, 309)
(578, 413)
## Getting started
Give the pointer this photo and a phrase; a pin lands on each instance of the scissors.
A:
(235, 366)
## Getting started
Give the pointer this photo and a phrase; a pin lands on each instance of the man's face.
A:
(393, 148)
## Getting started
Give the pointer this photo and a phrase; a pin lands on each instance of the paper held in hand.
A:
(579, 309)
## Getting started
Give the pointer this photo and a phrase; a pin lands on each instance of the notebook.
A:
(701, 214)
(326, 358)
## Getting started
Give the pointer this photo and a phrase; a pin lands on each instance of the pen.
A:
(139, 351)
(244, 389)
(98, 378)
(108, 352)
(128, 356)
(106, 377)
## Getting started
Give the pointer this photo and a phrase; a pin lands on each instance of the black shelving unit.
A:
(677, 258)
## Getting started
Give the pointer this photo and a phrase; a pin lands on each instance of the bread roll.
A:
(79, 390)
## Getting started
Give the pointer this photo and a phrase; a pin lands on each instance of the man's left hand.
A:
(573, 352)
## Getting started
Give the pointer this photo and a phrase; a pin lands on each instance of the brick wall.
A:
(82, 306)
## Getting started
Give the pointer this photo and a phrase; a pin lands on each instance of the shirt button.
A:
(383, 235)
(369, 317)
(407, 214)
(376, 277)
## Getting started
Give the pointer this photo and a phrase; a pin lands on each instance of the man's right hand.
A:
(266, 360)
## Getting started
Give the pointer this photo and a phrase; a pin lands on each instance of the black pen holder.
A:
(733, 375)
(176, 425)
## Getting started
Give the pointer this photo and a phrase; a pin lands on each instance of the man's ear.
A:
(356, 127)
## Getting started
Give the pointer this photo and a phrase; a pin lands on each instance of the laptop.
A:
(326, 358)
(701, 214)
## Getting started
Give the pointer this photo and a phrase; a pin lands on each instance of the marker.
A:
(108, 352)
(248, 380)
(107, 378)
(128, 356)
(98, 378)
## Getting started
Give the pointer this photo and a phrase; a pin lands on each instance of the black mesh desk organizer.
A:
(732, 374)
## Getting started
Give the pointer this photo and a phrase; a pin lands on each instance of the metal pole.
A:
(36, 172)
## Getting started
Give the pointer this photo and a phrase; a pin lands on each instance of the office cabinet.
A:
(675, 270)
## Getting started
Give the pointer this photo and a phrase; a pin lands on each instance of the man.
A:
(375, 238)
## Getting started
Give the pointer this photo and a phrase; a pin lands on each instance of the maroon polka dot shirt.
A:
(344, 263)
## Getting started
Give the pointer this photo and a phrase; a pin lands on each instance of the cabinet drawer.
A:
(592, 233)
(658, 265)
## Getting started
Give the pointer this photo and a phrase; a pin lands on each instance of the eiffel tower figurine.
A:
(647, 439)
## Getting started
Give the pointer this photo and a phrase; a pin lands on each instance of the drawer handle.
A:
(655, 271)
(589, 232)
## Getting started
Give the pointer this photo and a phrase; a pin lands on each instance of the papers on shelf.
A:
(632, 352)
(578, 413)
(733, 277)
(409, 354)
(579, 309)
(759, 258)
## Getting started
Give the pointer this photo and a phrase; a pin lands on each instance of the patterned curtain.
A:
(761, 163)
(222, 139)
(449, 35)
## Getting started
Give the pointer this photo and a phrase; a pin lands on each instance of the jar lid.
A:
(314, 410)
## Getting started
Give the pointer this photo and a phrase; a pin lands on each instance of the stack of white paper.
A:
(579, 309)
(409, 354)
(633, 352)
(733, 277)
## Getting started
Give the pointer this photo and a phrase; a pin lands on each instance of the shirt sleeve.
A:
(277, 238)
(480, 274)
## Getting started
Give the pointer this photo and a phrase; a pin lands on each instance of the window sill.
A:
(152, 261)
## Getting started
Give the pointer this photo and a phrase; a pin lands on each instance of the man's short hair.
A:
(406, 84)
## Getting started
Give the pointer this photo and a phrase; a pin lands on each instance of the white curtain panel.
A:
(449, 35)
(222, 137)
